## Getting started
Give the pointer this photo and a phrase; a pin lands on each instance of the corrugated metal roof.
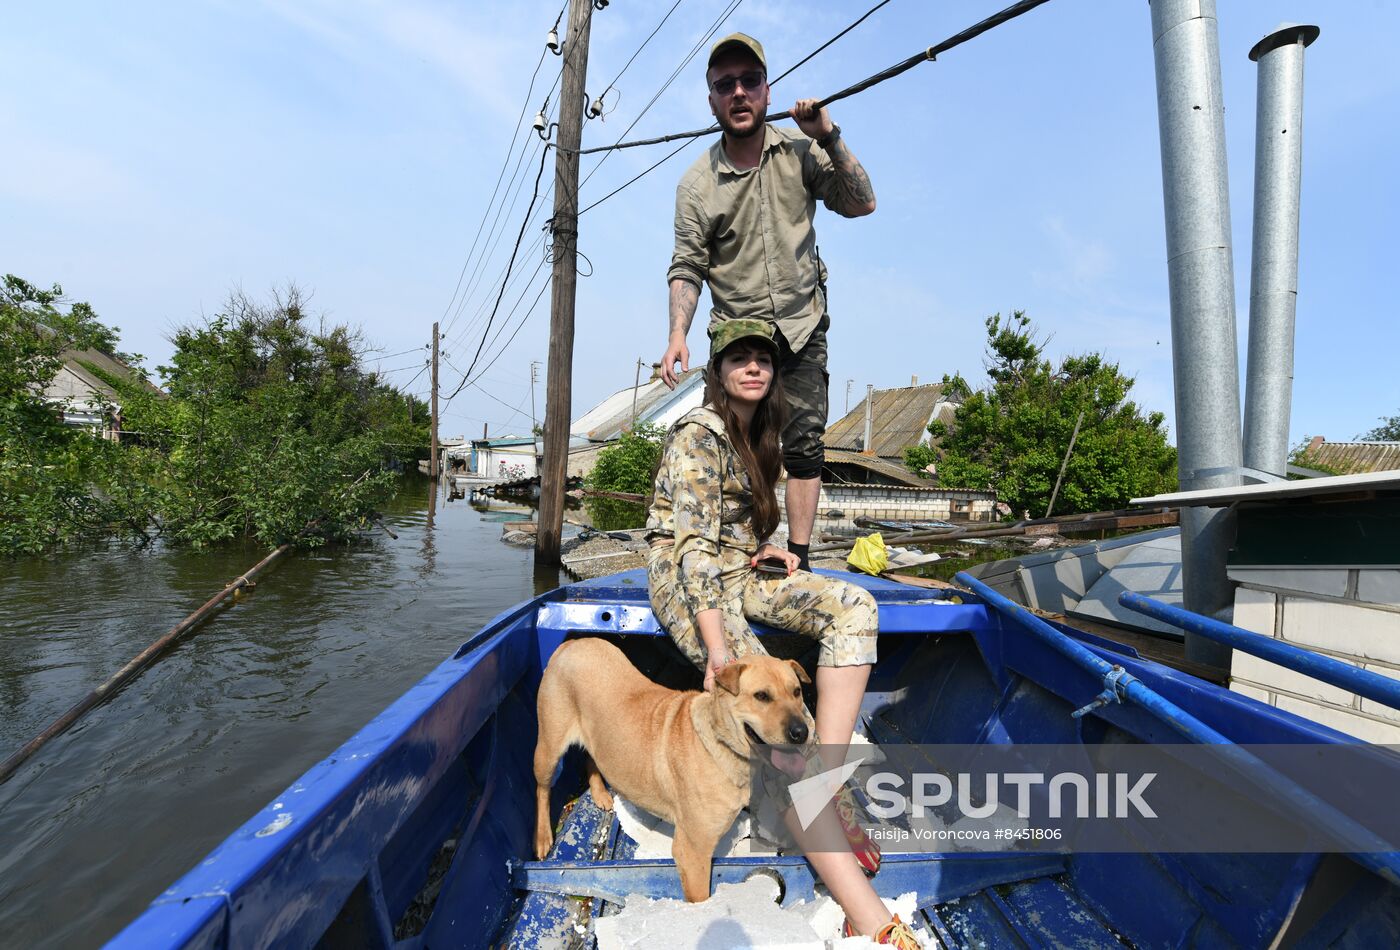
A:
(899, 419)
(1352, 458)
(892, 470)
(605, 421)
(1303, 488)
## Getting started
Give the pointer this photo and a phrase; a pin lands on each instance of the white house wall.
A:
(1349, 615)
(489, 460)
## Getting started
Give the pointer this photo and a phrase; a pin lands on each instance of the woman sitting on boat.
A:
(713, 509)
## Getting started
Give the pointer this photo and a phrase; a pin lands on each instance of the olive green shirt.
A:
(748, 233)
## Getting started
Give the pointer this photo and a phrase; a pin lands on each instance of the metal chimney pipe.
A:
(1200, 272)
(869, 417)
(1273, 276)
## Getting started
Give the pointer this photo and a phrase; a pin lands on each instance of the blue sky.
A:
(157, 155)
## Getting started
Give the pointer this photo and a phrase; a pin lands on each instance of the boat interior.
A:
(418, 831)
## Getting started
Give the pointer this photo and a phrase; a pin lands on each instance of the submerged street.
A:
(107, 815)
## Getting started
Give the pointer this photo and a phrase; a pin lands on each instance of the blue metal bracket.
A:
(1115, 687)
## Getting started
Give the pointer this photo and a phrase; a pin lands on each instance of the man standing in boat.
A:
(744, 226)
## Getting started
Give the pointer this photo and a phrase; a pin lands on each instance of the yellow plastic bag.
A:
(869, 554)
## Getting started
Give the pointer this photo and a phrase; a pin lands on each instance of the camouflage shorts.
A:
(841, 615)
(805, 379)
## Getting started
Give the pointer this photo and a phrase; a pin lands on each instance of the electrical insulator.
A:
(599, 4)
(541, 124)
(596, 109)
(552, 41)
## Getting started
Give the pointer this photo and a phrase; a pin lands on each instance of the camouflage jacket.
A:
(704, 502)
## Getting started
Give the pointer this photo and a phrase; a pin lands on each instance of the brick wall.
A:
(1350, 615)
(840, 505)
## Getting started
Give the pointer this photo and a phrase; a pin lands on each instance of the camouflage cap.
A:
(742, 40)
(727, 332)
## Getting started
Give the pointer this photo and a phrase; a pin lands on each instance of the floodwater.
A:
(106, 816)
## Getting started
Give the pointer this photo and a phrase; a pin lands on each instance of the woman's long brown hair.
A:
(761, 452)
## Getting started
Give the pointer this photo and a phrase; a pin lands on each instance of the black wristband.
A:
(830, 138)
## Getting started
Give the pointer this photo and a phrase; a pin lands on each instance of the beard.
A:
(726, 123)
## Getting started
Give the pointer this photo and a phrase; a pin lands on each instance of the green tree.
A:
(271, 429)
(273, 425)
(1387, 431)
(1012, 436)
(57, 482)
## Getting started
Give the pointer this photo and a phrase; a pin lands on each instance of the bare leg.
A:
(840, 872)
(839, 692)
(801, 497)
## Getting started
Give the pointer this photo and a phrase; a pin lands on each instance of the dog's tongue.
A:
(789, 763)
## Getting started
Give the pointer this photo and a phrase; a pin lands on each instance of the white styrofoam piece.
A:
(654, 836)
(736, 915)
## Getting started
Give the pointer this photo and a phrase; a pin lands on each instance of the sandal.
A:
(867, 852)
(896, 934)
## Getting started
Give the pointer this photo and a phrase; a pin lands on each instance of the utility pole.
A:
(636, 385)
(564, 227)
(848, 396)
(433, 448)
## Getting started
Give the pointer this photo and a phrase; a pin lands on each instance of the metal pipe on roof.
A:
(1273, 276)
(1200, 271)
(869, 417)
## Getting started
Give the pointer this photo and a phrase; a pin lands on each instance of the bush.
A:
(629, 465)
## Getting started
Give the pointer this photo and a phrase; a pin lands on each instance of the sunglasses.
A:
(752, 81)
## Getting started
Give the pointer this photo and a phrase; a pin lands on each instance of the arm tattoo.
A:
(684, 298)
(854, 193)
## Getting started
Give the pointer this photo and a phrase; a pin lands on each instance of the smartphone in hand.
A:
(772, 565)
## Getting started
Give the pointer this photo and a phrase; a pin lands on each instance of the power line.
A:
(515, 410)
(524, 108)
(806, 59)
(928, 55)
(643, 46)
(520, 237)
(420, 372)
(714, 28)
(729, 10)
(388, 356)
(637, 177)
(396, 369)
(543, 287)
(504, 273)
(516, 185)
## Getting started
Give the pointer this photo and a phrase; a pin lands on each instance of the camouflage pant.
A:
(841, 615)
(805, 379)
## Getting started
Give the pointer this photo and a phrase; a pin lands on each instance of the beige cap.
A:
(738, 39)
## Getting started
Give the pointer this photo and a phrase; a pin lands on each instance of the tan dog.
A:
(683, 756)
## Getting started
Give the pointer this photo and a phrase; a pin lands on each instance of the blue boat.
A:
(417, 831)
